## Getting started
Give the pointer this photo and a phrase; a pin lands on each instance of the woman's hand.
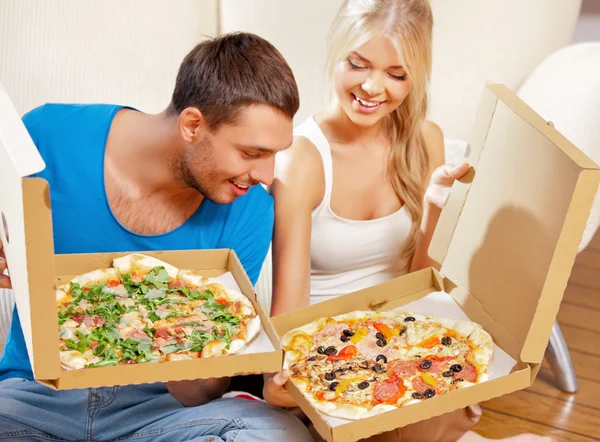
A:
(441, 182)
(274, 392)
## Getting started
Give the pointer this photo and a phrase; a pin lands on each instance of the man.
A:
(186, 178)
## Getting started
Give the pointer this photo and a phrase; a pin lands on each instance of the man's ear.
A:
(191, 124)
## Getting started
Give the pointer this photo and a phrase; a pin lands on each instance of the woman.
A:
(358, 194)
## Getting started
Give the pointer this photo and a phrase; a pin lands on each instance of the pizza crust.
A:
(95, 277)
(484, 346)
(142, 264)
(213, 348)
(192, 278)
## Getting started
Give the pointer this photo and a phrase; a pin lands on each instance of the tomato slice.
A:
(345, 353)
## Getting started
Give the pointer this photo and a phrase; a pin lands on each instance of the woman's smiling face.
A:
(371, 82)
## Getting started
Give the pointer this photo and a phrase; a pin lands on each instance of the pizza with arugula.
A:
(144, 310)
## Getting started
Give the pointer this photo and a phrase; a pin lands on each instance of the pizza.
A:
(360, 364)
(143, 310)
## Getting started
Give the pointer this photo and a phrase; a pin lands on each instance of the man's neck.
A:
(139, 179)
(141, 151)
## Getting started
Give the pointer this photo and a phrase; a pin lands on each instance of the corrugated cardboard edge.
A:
(45, 359)
(245, 284)
(444, 231)
(561, 266)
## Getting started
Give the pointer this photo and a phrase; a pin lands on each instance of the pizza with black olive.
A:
(144, 310)
(364, 363)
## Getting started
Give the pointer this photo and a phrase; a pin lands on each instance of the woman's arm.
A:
(298, 187)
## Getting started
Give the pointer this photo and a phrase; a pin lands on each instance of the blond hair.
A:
(408, 25)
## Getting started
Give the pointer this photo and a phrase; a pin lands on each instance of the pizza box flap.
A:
(511, 228)
(26, 219)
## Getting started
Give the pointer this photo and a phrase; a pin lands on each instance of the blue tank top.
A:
(72, 141)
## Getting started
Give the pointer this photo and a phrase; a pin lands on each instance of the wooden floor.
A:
(543, 409)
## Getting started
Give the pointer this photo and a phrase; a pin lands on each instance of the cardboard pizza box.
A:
(507, 240)
(26, 232)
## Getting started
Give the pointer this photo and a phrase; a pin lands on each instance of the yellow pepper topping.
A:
(344, 384)
(428, 379)
(359, 335)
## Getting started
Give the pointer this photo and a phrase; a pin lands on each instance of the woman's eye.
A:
(399, 77)
(354, 65)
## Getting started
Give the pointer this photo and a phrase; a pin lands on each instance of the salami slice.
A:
(388, 392)
(420, 385)
(162, 333)
(468, 373)
(438, 367)
(403, 368)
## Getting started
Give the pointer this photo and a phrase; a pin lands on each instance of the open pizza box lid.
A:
(27, 235)
(20, 158)
(510, 231)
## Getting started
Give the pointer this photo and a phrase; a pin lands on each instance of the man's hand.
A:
(274, 393)
(197, 392)
(4, 280)
(441, 182)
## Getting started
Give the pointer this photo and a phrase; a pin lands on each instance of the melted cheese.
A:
(73, 359)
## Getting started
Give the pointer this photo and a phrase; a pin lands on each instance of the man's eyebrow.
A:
(252, 147)
(368, 61)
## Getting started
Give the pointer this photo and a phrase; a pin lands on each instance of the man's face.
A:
(224, 164)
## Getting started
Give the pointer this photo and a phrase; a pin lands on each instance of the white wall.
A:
(124, 52)
(474, 41)
(298, 28)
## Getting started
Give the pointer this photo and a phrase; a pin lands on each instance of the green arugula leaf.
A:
(198, 339)
(151, 332)
(130, 285)
(82, 343)
(158, 277)
(225, 317)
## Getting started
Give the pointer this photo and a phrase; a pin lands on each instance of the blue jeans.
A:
(30, 411)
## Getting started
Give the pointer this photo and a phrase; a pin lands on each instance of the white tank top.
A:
(348, 255)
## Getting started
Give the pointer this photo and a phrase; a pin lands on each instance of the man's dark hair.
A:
(222, 75)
